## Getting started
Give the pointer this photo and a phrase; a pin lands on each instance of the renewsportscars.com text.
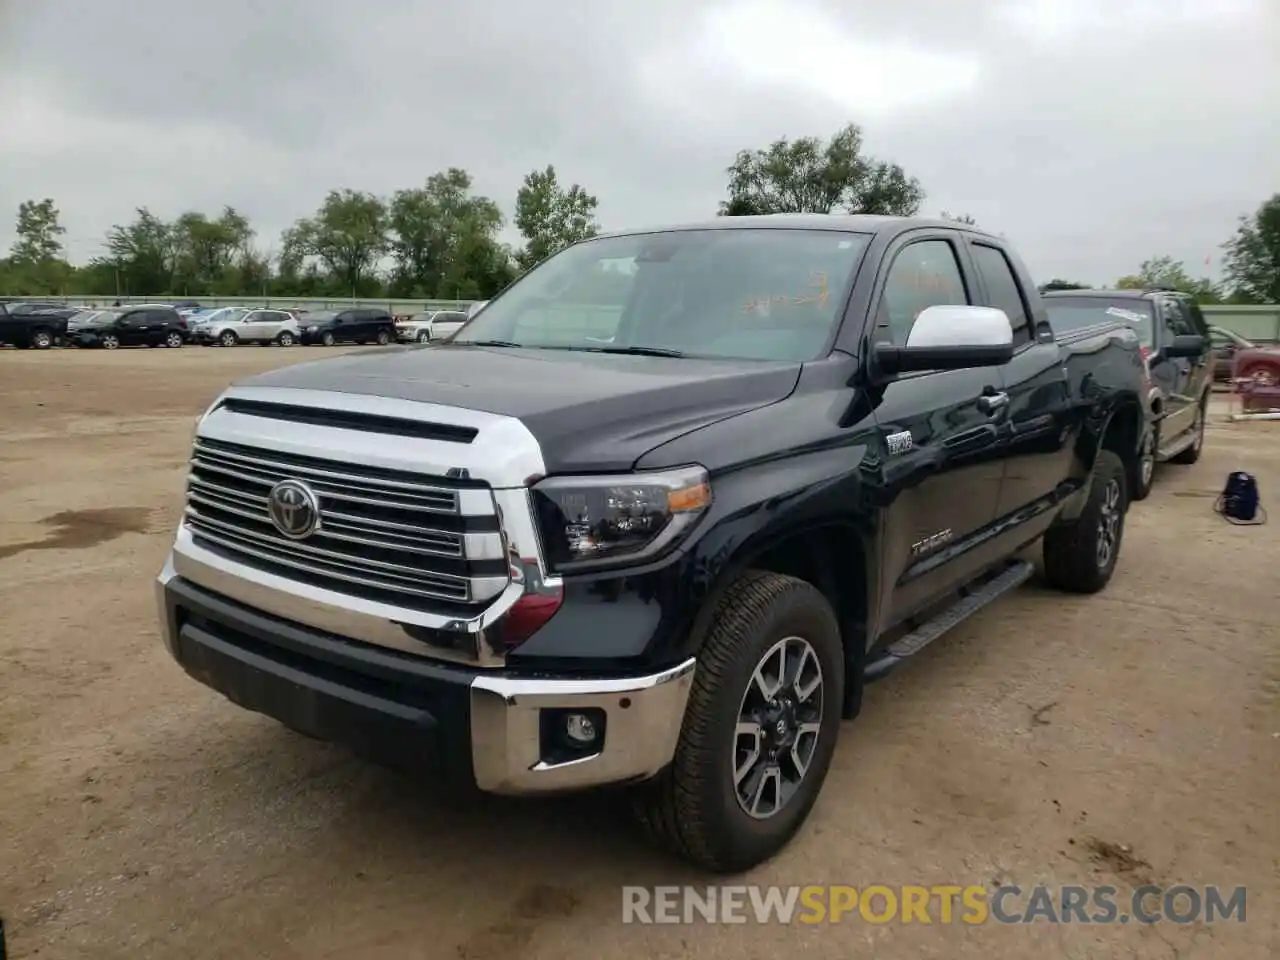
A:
(939, 903)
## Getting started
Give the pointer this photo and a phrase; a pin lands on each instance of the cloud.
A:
(1094, 134)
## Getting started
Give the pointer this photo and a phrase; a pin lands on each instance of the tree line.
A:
(442, 240)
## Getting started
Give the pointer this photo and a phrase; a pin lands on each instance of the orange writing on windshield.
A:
(818, 284)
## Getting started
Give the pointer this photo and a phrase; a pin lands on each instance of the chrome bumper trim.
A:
(642, 726)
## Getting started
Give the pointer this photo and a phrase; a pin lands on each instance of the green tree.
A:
(1170, 274)
(142, 254)
(806, 176)
(550, 217)
(210, 253)
(39, 233)
(444, 239)
(347, 235)
(1252, 263)
(1058, 284)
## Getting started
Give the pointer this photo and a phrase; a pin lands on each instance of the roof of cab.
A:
(849, 223)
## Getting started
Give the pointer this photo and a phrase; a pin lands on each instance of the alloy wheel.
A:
(779, 722)
(1109, 517)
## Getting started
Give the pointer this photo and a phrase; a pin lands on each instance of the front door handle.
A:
(991, 403)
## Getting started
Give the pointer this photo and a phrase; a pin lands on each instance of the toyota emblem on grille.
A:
(294, 509)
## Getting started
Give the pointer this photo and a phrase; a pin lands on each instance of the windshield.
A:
(84, 316)
(1075, 313)
(105, 316)
(728, 293)
(226, 314)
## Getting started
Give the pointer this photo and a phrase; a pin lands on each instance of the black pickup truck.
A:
(656, 515)
(28, 324)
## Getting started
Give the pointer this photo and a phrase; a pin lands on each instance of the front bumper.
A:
(495, 728)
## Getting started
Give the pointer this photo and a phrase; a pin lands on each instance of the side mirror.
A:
(1185, 345)
(950, 338)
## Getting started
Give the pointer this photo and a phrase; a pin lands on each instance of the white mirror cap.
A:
(961, 326)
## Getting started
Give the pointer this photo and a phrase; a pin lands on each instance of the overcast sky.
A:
(1093, 133)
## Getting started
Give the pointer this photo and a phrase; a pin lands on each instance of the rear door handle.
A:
(991, 403)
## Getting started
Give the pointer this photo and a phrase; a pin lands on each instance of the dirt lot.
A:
(1126, 737)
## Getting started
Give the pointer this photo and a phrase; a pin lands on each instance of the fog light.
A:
(569, 733)
(579, 728)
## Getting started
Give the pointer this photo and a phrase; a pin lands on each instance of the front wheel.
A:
(173, 340)
(42, 339)
(759, 730)
(1080, 556)
(1192, 453)
(228, 338)
(424, 336)
(1144, 468)
(285, 339)
(327, 340)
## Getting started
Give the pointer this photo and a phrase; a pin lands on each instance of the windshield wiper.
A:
(639, 351)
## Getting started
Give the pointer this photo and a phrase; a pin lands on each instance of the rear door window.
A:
(1003, 289)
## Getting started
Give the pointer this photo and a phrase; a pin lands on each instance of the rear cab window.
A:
(1003, 290)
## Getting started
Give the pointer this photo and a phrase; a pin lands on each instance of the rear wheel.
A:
(383, 338)
(110, 341)
(42, 339)
(759, 729)
(1080, 556)
(285, 339)
(327, 339)
(173, 340)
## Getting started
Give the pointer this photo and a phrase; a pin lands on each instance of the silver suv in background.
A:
(233, 327)
(422, 327)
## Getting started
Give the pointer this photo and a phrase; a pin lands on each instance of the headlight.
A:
(313, 329)
(588, 522)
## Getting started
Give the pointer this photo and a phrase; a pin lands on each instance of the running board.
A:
(1165, 454)
(908, 646)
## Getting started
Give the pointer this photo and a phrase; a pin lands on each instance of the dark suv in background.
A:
(1176, 347)
(357, 325)
(146, 325)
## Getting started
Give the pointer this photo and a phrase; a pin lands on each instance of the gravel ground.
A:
(1121, 738)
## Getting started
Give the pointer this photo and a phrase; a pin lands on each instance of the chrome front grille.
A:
(418, 542)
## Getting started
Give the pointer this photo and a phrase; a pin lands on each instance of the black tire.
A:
(693, 807)
(424, 336)
(41, 339)
(228, 338)
(383, 338)
(173, 340)
(327, 339)
(286, 339)
(1192, 453)
(109, 341)
(1073, 552)
(1142, 476)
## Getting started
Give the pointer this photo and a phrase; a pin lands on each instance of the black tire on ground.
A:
(110, 341)
(424, 336)
(383, 338)
(228, 338)
(286, 339)
(1142, 476)
(41, 339)
(173, 340)
(1080, 556)
(1192, 453)
(694, 808)
(327, 339)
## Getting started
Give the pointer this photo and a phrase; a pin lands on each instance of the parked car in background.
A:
(1177, 352)
(356, 325)
(250, 326)
(432, 325)
(147, 325)
(207, 315)
(1226, 344)
(33, 326)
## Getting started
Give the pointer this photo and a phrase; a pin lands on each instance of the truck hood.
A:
(589, 411)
